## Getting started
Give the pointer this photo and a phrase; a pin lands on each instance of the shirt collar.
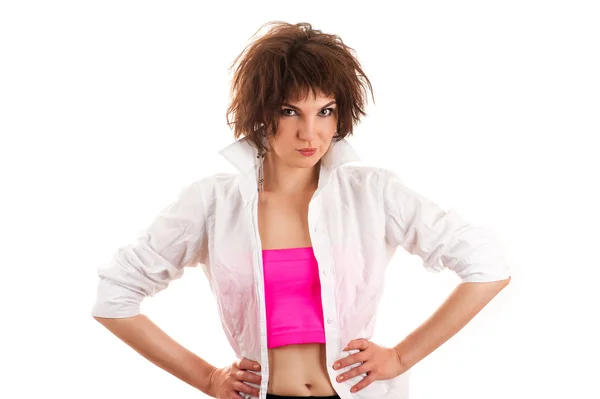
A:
(244, 156)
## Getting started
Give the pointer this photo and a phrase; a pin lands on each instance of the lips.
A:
(307, 151)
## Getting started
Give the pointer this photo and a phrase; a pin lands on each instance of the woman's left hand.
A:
(378, 362)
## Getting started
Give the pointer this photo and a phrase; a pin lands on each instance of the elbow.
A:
(483, 272)
(492, 284)
(496, 279)
(501, 284)
(504, 282)
(102, 320)
(102, 314)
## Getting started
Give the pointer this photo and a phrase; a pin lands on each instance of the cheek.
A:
(327, 134)
(329, 129)
(286, 130)
(283, 142)
(325, 147)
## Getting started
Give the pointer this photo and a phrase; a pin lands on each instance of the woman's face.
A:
(306, 128)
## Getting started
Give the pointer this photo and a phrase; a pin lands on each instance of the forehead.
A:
(309, 98)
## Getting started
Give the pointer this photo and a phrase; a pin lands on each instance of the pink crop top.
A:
(293, 297)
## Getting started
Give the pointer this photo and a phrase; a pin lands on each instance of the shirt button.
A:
(326, 272)
(329, 321)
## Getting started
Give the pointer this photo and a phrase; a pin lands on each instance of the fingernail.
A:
(336, 366)
(256, 367)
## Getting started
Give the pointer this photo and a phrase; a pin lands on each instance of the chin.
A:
(308, 162)
(297, 160)
(302, 165)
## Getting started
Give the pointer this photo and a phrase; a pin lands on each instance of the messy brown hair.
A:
(287, 63)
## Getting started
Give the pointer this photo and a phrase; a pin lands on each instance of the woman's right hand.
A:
(227, 382)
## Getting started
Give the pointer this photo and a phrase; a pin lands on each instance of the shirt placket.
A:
(322, 250)
(260, 290)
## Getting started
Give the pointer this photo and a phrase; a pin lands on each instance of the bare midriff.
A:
(299, 370)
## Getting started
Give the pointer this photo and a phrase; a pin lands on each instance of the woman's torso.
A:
(294, 370)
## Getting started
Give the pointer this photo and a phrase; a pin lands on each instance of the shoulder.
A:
(217, 183)
(363, 173)
(362, 180)
(217, 179)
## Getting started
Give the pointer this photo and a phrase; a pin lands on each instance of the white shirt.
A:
(357, 218)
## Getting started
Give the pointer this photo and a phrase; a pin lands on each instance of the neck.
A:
(282, 178)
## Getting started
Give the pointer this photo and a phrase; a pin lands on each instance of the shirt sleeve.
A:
(174, 239)
(442, 238)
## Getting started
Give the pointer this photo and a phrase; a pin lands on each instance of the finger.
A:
(362, 369)
(236, 364)
(247, 364)
(240, 386)
(236, 395)
(359, 343)
(349, 360)
(365, 382)
(247, 376)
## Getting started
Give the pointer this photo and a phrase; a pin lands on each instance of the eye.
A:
(329, 111)
(284, 111)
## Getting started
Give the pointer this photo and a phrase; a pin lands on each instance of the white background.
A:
(108, 109)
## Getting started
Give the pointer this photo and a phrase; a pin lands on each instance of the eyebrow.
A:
(296, 108)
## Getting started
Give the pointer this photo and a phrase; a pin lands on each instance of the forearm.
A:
(465, 301)
(154, 344)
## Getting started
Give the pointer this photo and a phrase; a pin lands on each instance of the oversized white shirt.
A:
(357, 218)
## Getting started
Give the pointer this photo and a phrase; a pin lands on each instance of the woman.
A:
(295, 245)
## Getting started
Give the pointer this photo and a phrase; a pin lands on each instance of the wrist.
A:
(402, 359)
(203, 376)
(209, 382)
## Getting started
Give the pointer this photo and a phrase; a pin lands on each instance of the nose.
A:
(308, 129)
